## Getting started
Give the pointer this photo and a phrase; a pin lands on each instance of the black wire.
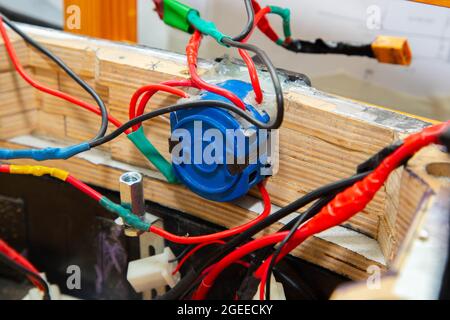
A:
(262, 55)
(299, 285)
(183, 253)
(177, 107)
(27, 273)
(311, 212)
(274, 124)
(322, 47)
(69, 72)
(369, 165)
(250, 21)
(191, 280)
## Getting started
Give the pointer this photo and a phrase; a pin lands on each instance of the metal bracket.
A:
(132, 197)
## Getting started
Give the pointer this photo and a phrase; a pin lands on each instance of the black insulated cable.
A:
(250, 21)
(26, 273)
(192, 280)
(310, 213)
(69, 72)
(323, 47)
(264, 58)
(193, 104)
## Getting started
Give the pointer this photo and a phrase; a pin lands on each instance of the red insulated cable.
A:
(220, 235)
(343, 207)
(260, 16)
(253, 72)
(192, 252)
(236, 255)
(192, 57)
(150, 93)
(153, 88)
(19, 259)
(356, 198)
(81, 186)
(84, 188)
(264, 24)
(249, 61)
(17, 65)
(15, 256)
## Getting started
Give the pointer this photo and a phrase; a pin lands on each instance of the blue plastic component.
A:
(44, 154)
(222, 180)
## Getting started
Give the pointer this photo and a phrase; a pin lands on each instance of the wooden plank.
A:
(315, 250)
(69, 51)
(322, 140)
(21, 51)
(11, 81)
(17, 101)
(50, 125)
(17, 124)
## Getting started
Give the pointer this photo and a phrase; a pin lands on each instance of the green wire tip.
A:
(152, 154)
(206, 27)
(285, 14)
(128, 217)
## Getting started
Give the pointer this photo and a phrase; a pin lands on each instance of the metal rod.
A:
(132, 192)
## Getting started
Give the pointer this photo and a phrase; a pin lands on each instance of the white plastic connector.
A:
(276, 290)
(55, 294)
(153, 272)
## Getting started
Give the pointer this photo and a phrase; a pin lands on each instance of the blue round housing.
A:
(216, 154)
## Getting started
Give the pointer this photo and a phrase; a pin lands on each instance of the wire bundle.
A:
(331, 204)
(18, 263)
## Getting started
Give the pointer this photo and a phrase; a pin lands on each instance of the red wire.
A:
(84, 188)
(4, 168)
(146, 96)
(237, 254)
(18, 258)
(192, 57)
(249, 61)
(192, 252)
(261, 15)
(220, 235)
(17, 65)
(196, 81)
(149, 91)
(343, 207)
(253, 72)
(15, 256)
(264, 24)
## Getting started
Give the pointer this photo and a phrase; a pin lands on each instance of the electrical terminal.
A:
(393, 50)
(153, 272)
(55, 293)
